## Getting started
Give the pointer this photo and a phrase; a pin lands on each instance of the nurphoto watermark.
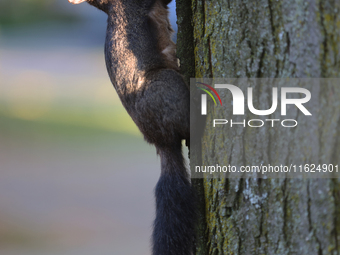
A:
(265, 128)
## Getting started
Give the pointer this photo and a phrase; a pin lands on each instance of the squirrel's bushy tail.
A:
(175, 206)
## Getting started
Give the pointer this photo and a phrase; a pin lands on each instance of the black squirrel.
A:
(142, 65)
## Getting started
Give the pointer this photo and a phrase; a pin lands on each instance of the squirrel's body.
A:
(141, 74)
(142, 65)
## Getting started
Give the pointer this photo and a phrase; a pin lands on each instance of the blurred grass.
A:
(87, 102)
(23, 12)
(70, 118)
(17, 132)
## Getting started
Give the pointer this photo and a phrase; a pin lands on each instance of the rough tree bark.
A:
(265, 38)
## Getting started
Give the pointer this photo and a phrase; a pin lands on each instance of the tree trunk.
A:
(276, 39)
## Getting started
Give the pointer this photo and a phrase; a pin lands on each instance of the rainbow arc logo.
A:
(204, 96)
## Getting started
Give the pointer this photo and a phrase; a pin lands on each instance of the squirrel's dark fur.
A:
(142, 64)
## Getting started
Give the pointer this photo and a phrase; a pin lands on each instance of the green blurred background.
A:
(76, 176)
